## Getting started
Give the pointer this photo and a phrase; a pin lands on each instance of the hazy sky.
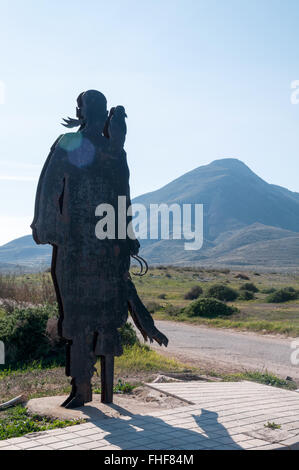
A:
(200, 80)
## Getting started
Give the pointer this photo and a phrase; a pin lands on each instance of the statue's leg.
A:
(71, 395)
(107, 374)
(82, 360)
(68, 373)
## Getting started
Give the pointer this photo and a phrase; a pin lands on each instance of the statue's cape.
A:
(39, 189)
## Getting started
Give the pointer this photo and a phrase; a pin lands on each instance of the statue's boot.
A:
(71, 395)
(83, 394)
(142, 318)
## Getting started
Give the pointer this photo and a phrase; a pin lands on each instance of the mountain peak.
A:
(230, 162)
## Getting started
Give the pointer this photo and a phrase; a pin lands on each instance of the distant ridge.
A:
(25, 254)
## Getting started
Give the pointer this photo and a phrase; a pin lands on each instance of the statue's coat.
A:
(79, 174)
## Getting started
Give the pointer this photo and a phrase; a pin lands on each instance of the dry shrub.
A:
(193, 293)
(37, 290)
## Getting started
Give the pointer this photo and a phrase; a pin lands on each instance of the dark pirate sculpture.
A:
(91, 275)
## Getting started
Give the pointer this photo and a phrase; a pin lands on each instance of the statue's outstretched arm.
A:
(142, 318)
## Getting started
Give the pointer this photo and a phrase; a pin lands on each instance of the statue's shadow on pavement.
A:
(136, 431)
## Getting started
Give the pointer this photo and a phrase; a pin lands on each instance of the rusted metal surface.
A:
(91, 276)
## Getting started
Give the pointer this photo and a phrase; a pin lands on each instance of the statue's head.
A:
(91, 109)
(92, 106)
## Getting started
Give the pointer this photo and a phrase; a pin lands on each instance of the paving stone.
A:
(3, 443)
(256, 443)
(55, 432)
(66, 437)
(80, 440)
(61, 445)
(14, 440)
(75, 448)
(48, 440)
(88, 432)
(28, 445)
(41, 448)
(270, 447)
(12, 447)
(292, 442)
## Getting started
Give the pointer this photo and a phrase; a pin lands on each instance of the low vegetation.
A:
(15, 422)
(164, 291)
(193, 293)
(283, 295)
(24, 333)
(254, 311)
(172, 310)
(152, 306)
(249, 286)
(265, 378)
(268, 290)
(272, 425)
(140, 358)
(208, 308)
(222, 292)
(246, 295)
(120, 387)
(28, 289)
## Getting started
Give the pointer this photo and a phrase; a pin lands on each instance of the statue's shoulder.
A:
(53, 147)
(69, 141)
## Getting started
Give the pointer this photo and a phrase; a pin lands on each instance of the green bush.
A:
(221, 292)
(152, 306)
(17, 422)
(249, 286)
(172, 310)
(246, 295)
(128, 335)
(162, 296)
(282, 295)
(23, 332)
(290, 289)
(209, 308)
(268, 290)
(193, 293)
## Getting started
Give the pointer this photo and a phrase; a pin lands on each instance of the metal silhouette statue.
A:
(91, 276)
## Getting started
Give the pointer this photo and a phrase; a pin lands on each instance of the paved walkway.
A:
(218, 416)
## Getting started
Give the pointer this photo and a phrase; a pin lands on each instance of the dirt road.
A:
(230, 350)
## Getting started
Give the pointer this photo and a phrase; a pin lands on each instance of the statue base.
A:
(93, 411)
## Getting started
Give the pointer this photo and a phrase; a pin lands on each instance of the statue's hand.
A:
(46, 235)
(134, 247)
(159, 337)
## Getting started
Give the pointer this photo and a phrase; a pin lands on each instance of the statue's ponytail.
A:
(71, 122)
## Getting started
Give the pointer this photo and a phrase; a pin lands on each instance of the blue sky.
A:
(200, 80)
